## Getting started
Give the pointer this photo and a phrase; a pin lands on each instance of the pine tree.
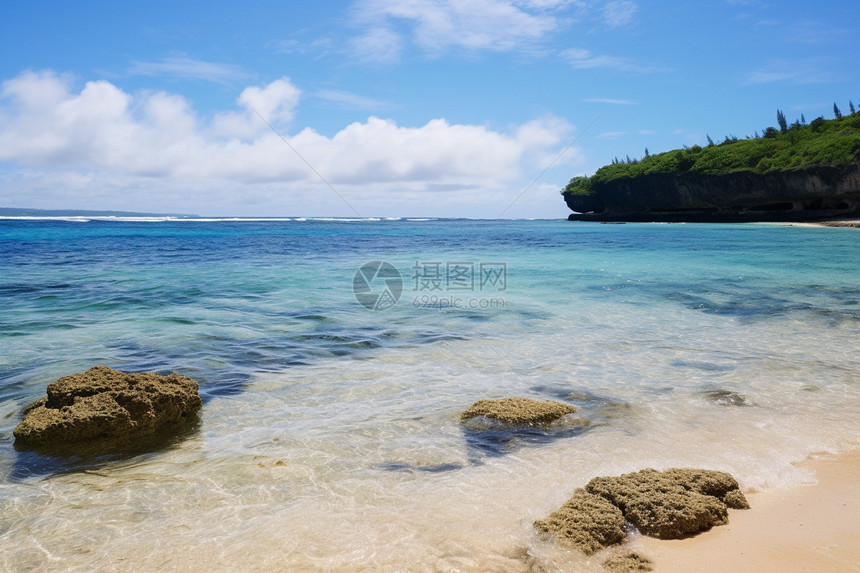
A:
(851, 106)
(646, 153)
(836, 113)
(780, 119)
(710, 141)
(802, 120)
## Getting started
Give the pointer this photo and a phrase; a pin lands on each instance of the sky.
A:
(390, 108)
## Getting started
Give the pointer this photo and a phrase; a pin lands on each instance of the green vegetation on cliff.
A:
(821, 142)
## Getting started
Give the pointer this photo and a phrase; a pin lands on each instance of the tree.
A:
(851, 106)
(646, 153)
(836, 113)
(780, 119)
(817, 123)
(710, 141)
(802, 119)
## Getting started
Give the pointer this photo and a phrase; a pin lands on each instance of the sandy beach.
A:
(812, 527)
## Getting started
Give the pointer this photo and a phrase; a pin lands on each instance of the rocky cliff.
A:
(814, 192)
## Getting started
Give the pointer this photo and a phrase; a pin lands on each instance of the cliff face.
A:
(809, 193)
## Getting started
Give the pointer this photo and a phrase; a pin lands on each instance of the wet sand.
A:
(813, 527)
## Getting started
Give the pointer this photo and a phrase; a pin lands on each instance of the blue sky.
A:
(471, 108)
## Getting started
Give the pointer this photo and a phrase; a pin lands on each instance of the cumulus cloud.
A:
(274, 103)
(100, 132)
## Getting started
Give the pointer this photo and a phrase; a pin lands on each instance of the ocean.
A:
(334, 358)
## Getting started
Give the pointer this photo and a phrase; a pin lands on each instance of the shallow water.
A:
(329, 438)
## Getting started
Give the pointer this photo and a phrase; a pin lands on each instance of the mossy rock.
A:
(586, 522)
(710, 482)
(630, 562)
(519, 411)
(105, 409)
(671, 504)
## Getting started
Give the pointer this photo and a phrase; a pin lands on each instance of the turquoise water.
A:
(329, 438)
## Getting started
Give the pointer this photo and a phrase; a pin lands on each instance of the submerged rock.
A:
(102, 409)
(725, 398)
(586, 521)
(628, 563)
(497, 427)
(671, 504)
(518, 411)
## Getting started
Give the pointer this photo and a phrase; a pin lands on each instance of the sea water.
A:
(330, 437)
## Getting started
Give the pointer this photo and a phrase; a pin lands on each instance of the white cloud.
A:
(612, 135)
(275, 103)
(816, 33)
(583, 59)
(152, 151)
(379, 45)
(188, 68)
(769, 76)
(619, 13)
(804, 71)
(317, 47)
(348, 100)
(610, 101)
(434, 26)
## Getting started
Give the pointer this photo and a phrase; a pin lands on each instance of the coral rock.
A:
(628, 563)
(587, 522)
(107, 408)
(671, 504)
(519, 411)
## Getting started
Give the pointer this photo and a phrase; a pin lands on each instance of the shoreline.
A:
(855, 223)
(812, 527)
